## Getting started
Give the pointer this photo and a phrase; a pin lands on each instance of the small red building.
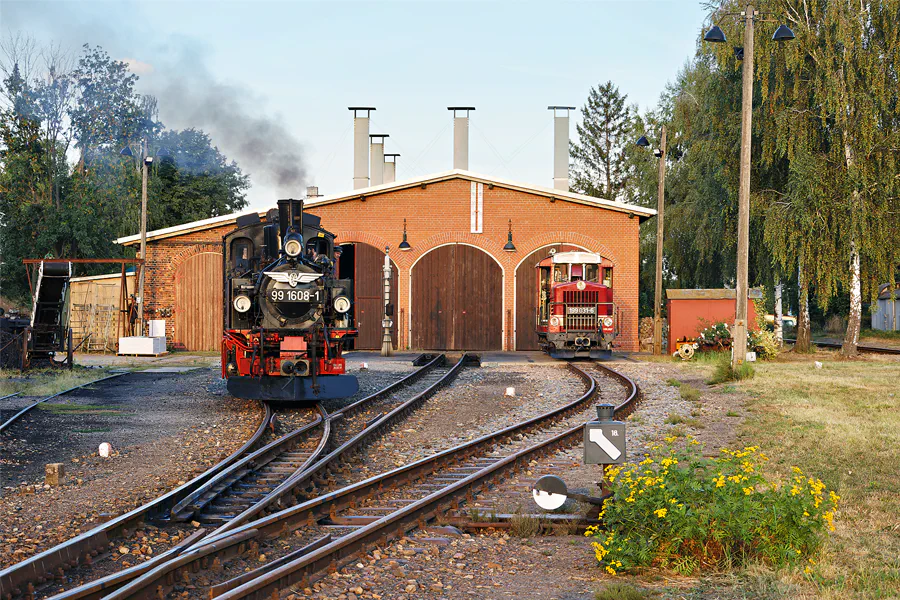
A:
(692, 311)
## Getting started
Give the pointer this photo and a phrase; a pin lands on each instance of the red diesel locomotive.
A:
(576, 316)
(287, 314)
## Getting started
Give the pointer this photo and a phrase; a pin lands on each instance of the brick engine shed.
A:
(456, 288)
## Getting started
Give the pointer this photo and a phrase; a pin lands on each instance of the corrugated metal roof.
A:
(640, 211)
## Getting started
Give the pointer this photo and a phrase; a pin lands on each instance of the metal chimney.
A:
(360, 146)
(390, 168)
(561, 147)
(376, 158)
(461, 136)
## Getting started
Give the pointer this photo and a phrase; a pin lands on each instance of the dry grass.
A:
(840, 423)
(46, 382)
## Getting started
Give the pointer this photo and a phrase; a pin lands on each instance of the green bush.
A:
(681, 511)
(725, 373)
(764, 343)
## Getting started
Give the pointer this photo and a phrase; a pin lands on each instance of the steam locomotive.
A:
(287, 314)
(576, 316)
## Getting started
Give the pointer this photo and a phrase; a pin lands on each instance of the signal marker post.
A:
(604, 444)
(604, 439)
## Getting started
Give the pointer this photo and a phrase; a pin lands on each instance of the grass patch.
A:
(681, 419)
(621, 591)
(673, 382)
(842, 423)
(731, 413)
(93, 430)
(690, 393)
(46, 382)
(525, 525)
(725, 373)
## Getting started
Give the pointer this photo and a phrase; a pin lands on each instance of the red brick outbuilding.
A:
(456, 288)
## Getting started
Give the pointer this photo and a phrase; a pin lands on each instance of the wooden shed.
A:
(94, 308)
(692, 311)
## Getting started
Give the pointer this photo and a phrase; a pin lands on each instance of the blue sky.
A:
(303, 63)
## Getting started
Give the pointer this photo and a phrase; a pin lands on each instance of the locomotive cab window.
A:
(316, 247)
(241, 251)
(592, 273)
(608, 277)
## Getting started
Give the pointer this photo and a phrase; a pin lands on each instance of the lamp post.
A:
(716, 35)
(660, 208)
(387, 346)
(146, 161)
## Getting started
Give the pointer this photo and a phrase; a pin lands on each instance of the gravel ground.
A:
(164, 428)
(473, 405)
(441, 563)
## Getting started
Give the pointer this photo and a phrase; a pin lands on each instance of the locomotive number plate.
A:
(282, 295)
(581, 310)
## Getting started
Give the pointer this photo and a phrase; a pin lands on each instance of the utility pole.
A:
(739, 334)
(660, 206)
(387, 347)
(145, 168)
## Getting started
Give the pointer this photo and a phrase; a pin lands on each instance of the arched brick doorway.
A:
(457, 300)
(198, 302)
(365, 265)
(526, 294)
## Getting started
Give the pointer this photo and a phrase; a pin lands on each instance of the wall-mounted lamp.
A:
(404, 245)
(509, 247)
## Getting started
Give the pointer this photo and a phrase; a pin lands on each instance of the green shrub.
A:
(764, 343)
(681, 511)
(724, 372)
(715, 338)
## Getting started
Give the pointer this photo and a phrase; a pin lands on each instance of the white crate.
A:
(142, 346)
(157, 328)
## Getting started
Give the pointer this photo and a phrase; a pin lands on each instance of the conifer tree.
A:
(600, 167)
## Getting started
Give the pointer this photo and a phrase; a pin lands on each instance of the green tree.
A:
(600, 167)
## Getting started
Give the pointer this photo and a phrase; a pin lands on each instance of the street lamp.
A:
(660, 206)
(716, 35)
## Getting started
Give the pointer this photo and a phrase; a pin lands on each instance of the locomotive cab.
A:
(576, 316)
(286, 317)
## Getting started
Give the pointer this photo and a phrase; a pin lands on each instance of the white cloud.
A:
(137, 67)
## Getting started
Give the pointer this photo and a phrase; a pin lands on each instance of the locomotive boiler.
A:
(287, 314)
(576, 316)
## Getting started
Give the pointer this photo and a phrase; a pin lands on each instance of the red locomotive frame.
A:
(576, 315)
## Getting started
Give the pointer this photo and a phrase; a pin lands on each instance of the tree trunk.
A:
(804, 335)
(779, 321)
(854, 321)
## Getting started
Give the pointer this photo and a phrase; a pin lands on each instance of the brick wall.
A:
(439, 213)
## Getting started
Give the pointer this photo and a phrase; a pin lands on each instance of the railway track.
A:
(246, 484)
(301, 543)
(6, 424)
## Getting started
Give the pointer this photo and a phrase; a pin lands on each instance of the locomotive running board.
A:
(293, 389)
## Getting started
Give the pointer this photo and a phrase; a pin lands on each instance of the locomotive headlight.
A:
(293, 244)
(342, 304)
(607, 322)
(555, 321)
(242, 303)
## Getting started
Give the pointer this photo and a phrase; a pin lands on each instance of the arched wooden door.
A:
(198, 302)
(527, 295)
(368, 292)
(457, 300)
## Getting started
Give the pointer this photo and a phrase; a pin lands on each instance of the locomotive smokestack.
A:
(290, 214)
(561, 147)
(390, 168)
(360, 146)
(461, 136)
(377, 158)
